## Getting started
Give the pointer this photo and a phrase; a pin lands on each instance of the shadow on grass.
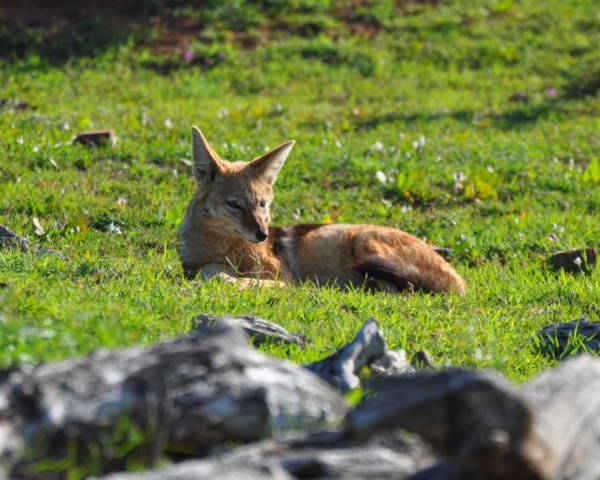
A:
(508, 120)
(57, 31)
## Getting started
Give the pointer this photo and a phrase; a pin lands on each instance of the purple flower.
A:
(208, 62)
(222, 56)
(552, 92)
(187, 55)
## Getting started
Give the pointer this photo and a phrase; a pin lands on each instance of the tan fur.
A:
(218, 238)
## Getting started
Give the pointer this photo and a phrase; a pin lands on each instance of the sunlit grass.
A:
(451, 123)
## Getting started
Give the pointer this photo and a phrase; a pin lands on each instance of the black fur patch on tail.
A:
(375, 267)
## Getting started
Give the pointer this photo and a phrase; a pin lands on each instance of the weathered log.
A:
(9, 239)
(189, 395)
(295, 459)
(561, 339)
(566, 401)
(477, 419)
(367, 348)
(257, 329)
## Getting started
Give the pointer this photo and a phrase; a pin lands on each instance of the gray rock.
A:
(199, 391)
(287, 460)
(367, 348)
(566, 427)
(9, 239)
(257, 329)
(561, 339)
(476, 419)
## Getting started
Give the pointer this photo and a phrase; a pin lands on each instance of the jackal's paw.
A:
(226, 278)
(244, 283)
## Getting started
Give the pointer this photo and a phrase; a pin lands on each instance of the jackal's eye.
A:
(234, 205)
(263, 204)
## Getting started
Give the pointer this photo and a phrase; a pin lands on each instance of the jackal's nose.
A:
(261, 236)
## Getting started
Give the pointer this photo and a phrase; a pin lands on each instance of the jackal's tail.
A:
(428, 275)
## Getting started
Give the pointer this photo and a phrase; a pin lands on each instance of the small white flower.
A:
(66, 126)
(112, 228)
(378, 145)
(38, 229)
(20, 140)
(356, 111)
(381, 176)
(223, 112)
(459, 177)
(168, 123)
(36, 148)
(577, 261)
(58, 144)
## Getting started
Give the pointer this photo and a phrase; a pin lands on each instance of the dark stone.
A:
(562, 339)
(574, 261)
(9, 239)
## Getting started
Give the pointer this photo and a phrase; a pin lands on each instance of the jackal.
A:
(226, 232)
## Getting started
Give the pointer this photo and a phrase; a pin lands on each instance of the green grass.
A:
(500, 96)
(426, 101)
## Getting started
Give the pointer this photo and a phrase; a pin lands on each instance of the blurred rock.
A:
(367, 349)
(256, 329)
(189, 395)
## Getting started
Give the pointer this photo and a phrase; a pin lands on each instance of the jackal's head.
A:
(236, 196)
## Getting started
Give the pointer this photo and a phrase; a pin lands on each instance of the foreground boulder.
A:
(566, 427)
(477, 419)
(485, 428)
(188, 395)
(326, 457)
(481, 426)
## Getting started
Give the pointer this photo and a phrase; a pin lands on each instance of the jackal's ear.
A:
(206, 160)
(267, 167)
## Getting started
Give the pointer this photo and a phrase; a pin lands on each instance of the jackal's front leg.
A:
(227, 274)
